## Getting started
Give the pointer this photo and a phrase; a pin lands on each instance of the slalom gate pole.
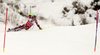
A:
(5, 30)
(97, 18)
(30, 9)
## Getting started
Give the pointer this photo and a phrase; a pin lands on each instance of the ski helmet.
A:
(31, 14)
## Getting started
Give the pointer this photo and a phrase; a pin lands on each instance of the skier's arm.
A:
(38, 25)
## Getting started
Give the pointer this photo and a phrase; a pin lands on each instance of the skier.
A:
(30, 22)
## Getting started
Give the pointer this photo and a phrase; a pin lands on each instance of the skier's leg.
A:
(17, 28)
(12, 29)
(27, 27)
(20, 27)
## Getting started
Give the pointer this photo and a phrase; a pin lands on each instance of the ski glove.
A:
(41, 28)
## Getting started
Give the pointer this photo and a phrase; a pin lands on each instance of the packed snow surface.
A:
(62, 40)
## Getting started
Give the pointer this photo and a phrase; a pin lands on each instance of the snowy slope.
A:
(62, 40)
(53, 40)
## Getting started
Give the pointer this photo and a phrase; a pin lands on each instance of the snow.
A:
(62, 40)
(75, 19)
(86, 2)
(49, 10)
(52, 11)
(90, 19)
